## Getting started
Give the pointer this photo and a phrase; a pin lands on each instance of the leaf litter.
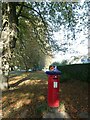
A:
(29, 98)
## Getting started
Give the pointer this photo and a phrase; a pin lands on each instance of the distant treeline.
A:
(75, 72)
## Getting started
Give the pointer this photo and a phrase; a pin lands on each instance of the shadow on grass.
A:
(30, 101)
(31, 76)
(20, 81)
(30, 98)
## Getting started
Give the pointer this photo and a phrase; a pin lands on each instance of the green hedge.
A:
(75, 72)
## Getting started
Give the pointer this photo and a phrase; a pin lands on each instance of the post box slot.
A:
(54, 78)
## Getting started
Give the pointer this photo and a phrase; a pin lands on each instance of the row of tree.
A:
(27, 32)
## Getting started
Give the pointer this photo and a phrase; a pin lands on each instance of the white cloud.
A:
(82, 2)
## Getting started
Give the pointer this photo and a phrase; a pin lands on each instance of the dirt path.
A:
(27, 97)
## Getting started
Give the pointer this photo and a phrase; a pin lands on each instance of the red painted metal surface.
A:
(53, 90)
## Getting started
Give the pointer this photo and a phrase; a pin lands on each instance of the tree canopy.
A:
(36, 23)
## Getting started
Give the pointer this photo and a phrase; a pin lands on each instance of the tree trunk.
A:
(8, 40)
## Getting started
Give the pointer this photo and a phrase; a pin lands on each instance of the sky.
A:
(78, 47)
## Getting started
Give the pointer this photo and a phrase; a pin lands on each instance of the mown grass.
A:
(28, 98)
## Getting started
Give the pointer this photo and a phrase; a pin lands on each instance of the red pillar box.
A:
(53, 87)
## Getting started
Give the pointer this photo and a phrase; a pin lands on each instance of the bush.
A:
(75, 72)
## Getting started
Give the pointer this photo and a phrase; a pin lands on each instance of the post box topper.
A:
(53, 71)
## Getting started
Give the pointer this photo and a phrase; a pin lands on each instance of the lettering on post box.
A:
(55, 84)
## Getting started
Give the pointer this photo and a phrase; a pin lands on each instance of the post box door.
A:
(53, 91)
